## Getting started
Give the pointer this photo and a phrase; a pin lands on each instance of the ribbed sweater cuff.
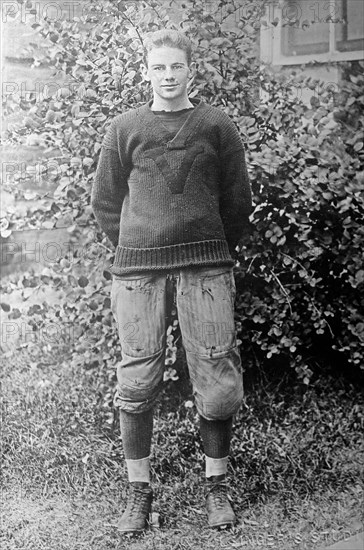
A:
(169, 257)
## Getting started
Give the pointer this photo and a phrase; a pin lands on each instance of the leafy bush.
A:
(300, 273)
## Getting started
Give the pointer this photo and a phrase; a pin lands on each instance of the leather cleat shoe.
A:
(219, 510)
(135, 518)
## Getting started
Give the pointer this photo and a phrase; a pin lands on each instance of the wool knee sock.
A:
(216, 436)
(216, 467)
(136, 434)
(138, 470)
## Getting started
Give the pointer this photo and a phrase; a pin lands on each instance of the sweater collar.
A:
(155, 127)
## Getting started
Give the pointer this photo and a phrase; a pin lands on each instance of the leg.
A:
(138, 303)
(205, 301)
(216, 436)
(136, 435)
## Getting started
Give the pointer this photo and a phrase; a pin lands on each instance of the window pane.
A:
(305, 26)
(350, 32)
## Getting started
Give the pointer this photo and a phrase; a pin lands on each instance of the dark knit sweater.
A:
(168, 202)
(173, 120)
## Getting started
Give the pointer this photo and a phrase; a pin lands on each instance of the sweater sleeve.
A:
(235, 193)
(109, 188)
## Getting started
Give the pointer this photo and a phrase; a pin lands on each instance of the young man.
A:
(172, 194)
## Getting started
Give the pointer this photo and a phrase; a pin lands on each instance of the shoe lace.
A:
(218, 493)
(138, 502)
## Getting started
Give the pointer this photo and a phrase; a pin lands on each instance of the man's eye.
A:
(158, 68)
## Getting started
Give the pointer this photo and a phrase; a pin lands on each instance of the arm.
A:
(109, 188)
(235, 195)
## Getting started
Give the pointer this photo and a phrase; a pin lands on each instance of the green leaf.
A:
(83, 281)
(15, 314)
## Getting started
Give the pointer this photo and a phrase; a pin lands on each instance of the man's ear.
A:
(192, 69)
(192, 73)
(144, 71)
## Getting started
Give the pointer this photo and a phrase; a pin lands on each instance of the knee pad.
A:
(217, 383)
(139, 382)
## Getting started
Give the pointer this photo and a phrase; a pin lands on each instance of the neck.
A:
(160, 104)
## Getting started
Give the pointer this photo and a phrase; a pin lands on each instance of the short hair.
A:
(170, 38)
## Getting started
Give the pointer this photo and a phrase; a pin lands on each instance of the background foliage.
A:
(300, 271)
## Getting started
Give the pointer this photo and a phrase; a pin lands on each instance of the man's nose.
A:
(169, 74)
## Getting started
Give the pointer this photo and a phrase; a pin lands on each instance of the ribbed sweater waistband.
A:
(169, 257)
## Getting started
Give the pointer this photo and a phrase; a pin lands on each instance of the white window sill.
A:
(280, 59)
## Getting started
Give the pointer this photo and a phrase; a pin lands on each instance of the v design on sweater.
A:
(175, 179)
(177, 202)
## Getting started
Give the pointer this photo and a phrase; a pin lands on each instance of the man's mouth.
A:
(169, 85)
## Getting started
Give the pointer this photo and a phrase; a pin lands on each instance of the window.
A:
(302, 31)
(349, 35)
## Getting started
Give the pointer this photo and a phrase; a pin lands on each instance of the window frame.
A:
(272, 39)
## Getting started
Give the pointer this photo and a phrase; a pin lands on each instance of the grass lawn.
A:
(295, 473)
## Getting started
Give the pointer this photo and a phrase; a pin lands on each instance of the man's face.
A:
(168, 72)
